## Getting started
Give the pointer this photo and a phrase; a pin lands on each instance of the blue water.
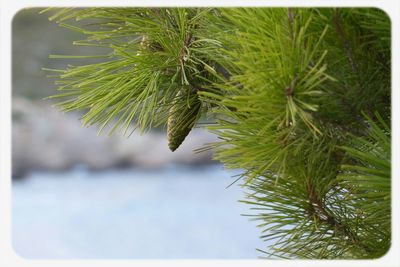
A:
(174, 212)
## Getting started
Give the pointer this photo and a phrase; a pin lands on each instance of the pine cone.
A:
(182, 118)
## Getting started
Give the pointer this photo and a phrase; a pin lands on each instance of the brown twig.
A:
(319, 212)
(289, 90)
(337, 23)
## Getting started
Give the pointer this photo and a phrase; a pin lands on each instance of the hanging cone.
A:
(182, 118)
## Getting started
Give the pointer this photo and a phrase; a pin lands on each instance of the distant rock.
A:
(43, 138)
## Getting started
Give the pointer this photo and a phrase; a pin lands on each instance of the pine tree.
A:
(300, 99)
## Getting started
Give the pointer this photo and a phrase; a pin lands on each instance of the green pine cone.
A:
(182, 118)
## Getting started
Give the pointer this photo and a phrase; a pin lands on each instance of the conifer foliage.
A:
(300, 98)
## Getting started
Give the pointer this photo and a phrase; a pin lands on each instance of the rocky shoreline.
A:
(43, 138)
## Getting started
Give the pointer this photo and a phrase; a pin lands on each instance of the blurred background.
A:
(79, 195)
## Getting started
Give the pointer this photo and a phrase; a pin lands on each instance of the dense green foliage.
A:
(300, 100)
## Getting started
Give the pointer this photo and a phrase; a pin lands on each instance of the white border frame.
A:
(8, 258)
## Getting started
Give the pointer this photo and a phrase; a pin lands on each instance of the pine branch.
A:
(286, 88)
(156, 53)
